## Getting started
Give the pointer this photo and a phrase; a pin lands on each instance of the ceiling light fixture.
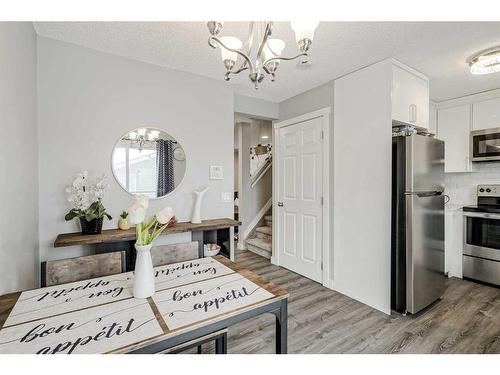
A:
(486, 62)
(264, 57)
(141, 137)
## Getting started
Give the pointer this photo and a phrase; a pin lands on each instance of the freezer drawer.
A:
(484, 270)
(425, 279)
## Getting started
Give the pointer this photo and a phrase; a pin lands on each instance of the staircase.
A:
(262, 242)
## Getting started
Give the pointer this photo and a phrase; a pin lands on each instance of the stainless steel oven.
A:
(481, 251)
(485, 145)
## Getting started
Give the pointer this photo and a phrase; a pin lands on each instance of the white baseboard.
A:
(241, 246)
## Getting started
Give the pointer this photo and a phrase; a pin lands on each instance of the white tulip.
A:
(165, 215)
(136, 214)
(141, 200)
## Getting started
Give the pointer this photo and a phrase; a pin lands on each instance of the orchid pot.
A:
(93, 226)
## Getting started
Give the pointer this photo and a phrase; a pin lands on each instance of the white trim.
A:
(262, 173)
(257, 219)
(469, 99)
(325, 114)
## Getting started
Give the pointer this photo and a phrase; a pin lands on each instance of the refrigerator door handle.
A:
(423, 194)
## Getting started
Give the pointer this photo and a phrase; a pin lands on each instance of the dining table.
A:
(193, 300)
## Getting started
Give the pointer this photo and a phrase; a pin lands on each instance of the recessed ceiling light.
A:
(265, 137)
(486, 62)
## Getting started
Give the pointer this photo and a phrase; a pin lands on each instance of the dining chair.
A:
(181, 252)
(174, 253)
(55, 272)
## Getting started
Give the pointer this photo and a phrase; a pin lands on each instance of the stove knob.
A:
(488, 190)
(481, 190)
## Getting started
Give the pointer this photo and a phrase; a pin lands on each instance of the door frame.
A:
(323, 113)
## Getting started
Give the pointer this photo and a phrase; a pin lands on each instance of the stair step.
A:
(257, 242)
(265, 237)
(257, 250)
(265, 230)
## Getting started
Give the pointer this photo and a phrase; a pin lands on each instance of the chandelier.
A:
(141, 137)
(263, 57)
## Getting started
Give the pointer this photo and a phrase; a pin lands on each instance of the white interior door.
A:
(299, 201)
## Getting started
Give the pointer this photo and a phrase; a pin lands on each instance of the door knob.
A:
(280, 204)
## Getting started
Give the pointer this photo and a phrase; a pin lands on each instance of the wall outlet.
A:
(226, 197)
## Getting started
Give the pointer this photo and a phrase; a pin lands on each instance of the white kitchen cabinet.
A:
(454, 127)
(486, 114)
(432, 118)
(410, 97)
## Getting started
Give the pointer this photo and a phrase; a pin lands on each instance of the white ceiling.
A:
(438, 49)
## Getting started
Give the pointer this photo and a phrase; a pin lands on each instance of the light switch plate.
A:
(226, 197)
(216, 172)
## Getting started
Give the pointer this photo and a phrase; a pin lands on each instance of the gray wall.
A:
(309, 101)
(18, 158)
(88, 99)
(251, 200)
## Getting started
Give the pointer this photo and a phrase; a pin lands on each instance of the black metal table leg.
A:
(282, 328)
(221, 344)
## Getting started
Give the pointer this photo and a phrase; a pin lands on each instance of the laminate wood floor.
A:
(466, 320)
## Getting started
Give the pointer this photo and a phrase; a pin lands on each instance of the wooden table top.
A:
(113, 235)
(101, 316)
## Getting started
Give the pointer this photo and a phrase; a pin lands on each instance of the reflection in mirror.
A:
(148, 161)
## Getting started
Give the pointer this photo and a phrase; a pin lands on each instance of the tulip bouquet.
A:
(147, 231)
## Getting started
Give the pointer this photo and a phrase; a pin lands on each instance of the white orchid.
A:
(85, 197)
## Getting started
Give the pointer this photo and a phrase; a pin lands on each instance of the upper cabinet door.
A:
(486, 114)
(454, 128)
(410, 98)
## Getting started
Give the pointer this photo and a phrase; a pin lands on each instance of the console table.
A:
(219, 231)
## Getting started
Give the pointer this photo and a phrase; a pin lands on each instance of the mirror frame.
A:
(161, 131)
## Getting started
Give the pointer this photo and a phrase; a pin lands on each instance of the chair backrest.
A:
(64, 271)
(179, 252)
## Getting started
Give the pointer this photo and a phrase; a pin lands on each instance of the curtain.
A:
(165, 160)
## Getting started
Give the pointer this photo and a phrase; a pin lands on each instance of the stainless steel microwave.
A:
(485, 145)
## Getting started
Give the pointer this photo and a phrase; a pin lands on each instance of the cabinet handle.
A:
(413, 113)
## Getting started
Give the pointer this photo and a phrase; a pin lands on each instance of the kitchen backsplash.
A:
(461, 187)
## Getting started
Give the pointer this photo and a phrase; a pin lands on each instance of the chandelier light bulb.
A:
(304, 29)
(231, 42)
(141, 132)
(132, 135)
(154, 134)
(273, 48)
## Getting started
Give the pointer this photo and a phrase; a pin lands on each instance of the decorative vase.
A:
(123, 224)
(144, 279)
(93, 226)
(196, 216)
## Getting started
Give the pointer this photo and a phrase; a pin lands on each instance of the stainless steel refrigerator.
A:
(417, 253)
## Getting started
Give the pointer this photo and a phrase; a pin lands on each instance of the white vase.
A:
(196, 216)
(144, 278)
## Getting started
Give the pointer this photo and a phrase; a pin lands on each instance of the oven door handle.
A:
(483, 215)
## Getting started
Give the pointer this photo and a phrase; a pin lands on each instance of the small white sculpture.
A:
(196, 217)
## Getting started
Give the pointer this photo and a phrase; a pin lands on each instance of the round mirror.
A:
(148, 161)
